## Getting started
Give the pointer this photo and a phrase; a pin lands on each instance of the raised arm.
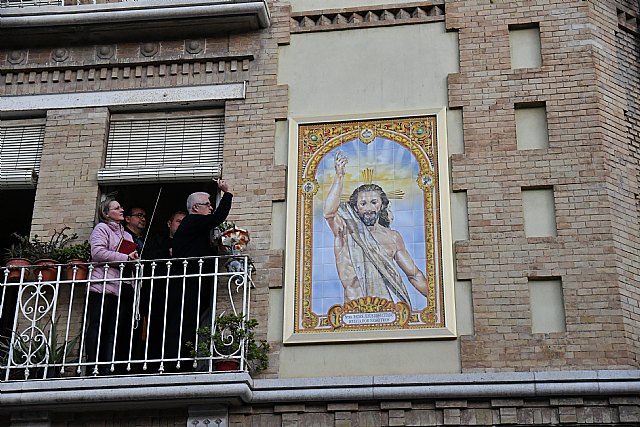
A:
(333, 198)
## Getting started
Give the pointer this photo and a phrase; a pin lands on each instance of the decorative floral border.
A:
(315, 141)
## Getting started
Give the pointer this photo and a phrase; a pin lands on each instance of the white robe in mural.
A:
(375, 270)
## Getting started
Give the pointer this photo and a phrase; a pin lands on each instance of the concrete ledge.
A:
(209, 95)
(146, 20)
(458, 386)
(117, 393)
(109, 393)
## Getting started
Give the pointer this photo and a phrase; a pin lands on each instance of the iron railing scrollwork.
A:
(45, 323)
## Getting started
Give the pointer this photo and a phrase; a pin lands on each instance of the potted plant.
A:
(44, 252)
(76, 258)
(17, 258)
(224, 344)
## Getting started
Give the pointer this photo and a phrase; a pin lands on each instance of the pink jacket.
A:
(104, 240)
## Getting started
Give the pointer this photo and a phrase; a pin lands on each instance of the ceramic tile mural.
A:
(368, 255)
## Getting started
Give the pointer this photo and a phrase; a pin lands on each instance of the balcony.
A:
(118, 321)
(33, 23)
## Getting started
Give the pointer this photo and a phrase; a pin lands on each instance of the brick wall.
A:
(249, 150)
(72, 153)
(587, 253)
(622, 82)
(589, 83)
(584, 411)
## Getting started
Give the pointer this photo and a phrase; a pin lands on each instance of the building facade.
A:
(526, 229)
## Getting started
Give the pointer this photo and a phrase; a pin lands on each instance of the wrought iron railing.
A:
(148, 317)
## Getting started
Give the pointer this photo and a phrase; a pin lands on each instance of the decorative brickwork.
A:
(352, 18)
(19, 76)
(628, 20)
(564, 411)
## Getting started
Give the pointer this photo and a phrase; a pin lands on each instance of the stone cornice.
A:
(148, 20)
(173, 390)
(123, 75)
(365, 17)
(123, 62)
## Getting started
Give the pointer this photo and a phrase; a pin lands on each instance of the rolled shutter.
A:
(165, 147)
(20, 153)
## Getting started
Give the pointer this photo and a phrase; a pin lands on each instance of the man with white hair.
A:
(192, 239)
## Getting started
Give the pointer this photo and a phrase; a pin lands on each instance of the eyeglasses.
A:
(208, 204)
(139, 215)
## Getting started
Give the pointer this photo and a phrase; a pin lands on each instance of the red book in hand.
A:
(126, 247)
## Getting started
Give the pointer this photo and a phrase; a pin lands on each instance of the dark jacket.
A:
(192, 239)
(158, 246)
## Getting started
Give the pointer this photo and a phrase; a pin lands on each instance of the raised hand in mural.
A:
(340, 164)
(333, 198)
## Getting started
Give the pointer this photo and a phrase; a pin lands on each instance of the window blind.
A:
(20, 153)
(163, 148)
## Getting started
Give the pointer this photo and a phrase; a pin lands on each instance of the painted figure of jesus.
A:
(367, 251)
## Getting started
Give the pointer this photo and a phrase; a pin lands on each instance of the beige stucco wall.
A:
(331, 75)
(384, 69)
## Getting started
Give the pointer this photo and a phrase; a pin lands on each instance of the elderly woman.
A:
(107, 240)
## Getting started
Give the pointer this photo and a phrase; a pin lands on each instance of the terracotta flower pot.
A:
(227, 365)
(48, 269)
(17, 266)
(82, 270)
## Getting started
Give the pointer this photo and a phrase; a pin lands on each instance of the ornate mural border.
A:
(302, 186)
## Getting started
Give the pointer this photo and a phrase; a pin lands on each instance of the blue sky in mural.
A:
(394, 169)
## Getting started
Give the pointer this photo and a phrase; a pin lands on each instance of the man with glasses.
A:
(135, 224)
(192, 239)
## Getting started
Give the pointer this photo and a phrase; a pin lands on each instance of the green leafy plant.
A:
(81, 251)
(42, 249)
(20, 249)
(226, 225)
(229, 331)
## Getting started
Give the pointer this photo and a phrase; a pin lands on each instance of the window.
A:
(14, 218)
(173, 146)
(20, 153)
(163, 157)
(173, 198)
